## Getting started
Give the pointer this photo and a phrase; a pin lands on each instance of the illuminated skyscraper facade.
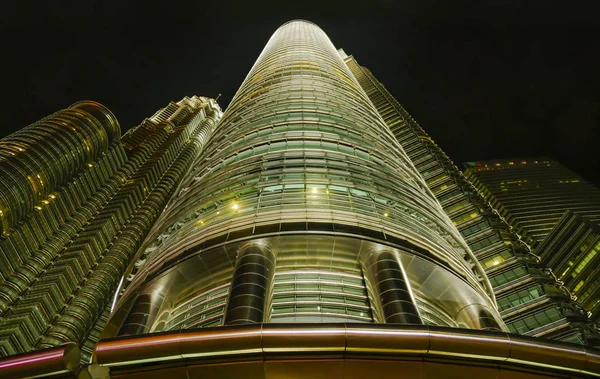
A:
(531, 299)
(572, 250)
(311, 212)
(76, 204)
(556, 211)
(533, 193)
(296, 233)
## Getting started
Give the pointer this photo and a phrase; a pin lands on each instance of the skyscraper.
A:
(531, 300)
(555, 210)
(76, 204)
(300, 193)
(296, 234)
(571, 250)
(533, 193)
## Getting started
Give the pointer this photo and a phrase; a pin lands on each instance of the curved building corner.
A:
(303, 208)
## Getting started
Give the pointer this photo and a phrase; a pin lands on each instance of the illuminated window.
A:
(317, 296)
(520, 297)
(507, 276)
(585, 262)
(535, 321)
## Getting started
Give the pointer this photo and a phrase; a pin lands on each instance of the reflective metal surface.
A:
(57, 361)
(345, 350)
(252, 277)
(143, 313)
(391, 288)
(304, 169)
(313, 279)
(316, 351)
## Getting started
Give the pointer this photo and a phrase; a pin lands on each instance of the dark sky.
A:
(486, 79)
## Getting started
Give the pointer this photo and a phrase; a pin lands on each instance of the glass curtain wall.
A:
(304, 202)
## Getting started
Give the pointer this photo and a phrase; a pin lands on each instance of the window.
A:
(519, 297)
(507, 276)
(316, 296)
(202, 311)
(535, 320)
(496, 259)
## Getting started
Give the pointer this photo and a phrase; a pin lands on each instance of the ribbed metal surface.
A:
(143, 314)
(302, 151)
(252, 279)
(531, 299)
(345, 350)
(385, 273)
(40, 158)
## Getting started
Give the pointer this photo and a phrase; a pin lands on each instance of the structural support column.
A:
(143, 313)
(477, 316)
(252, 279)
(391, 289)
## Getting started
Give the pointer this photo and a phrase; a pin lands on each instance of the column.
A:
(252, 277)
(142, 314)
(391, 289)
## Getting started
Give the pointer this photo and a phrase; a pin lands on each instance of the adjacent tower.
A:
(556, 211)
(533, 193)
(531, 298)
(76, 201)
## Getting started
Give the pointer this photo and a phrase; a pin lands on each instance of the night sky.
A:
(494, 80)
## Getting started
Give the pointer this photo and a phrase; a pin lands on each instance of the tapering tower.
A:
(76, 202)
(293, 237)
(42, 157)
(303, 208)
(531, 299)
